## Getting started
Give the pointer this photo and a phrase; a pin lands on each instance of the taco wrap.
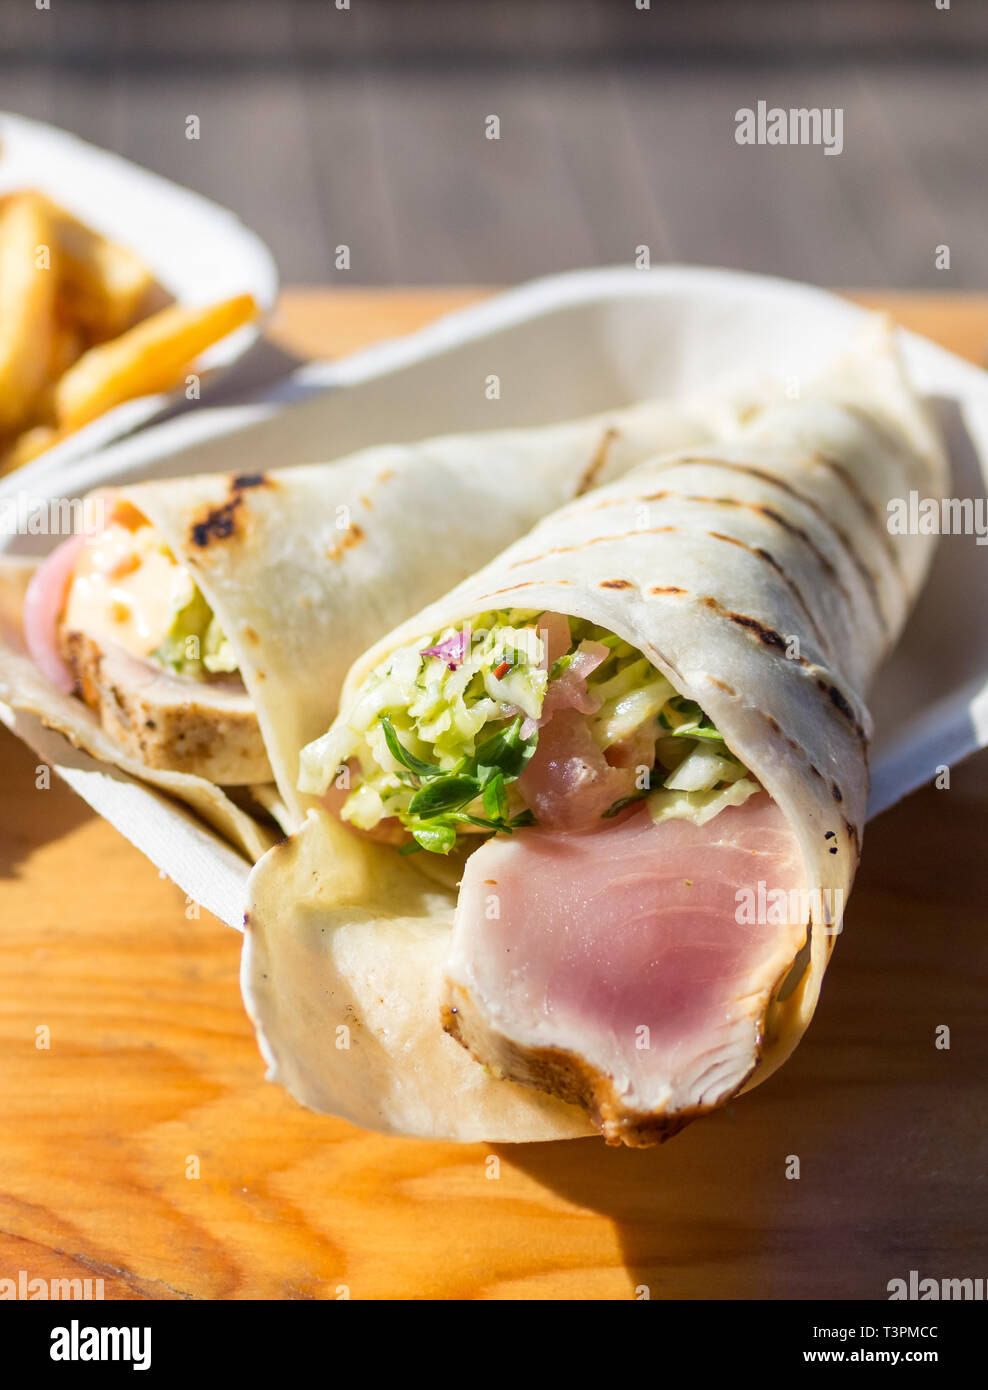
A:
(589, 822)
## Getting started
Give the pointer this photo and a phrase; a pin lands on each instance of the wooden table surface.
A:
(152, 1075)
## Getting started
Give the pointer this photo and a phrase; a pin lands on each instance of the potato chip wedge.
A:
(27, 446)
(150, 357)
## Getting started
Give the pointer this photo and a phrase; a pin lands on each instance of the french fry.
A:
(83, 327)
(27, 446)
(27, 306)
(151, 357)
(67, 346)
(102, 286)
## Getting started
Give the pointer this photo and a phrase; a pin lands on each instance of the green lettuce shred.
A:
(435, 741)
(195, 643)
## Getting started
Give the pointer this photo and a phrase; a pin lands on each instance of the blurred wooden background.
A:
(365, 126)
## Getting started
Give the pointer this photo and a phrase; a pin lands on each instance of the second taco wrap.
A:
(204, 627)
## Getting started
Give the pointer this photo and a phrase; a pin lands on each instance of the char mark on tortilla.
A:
(591, 472)
(722, 685)
(868, 508)
(767, 558)
(840, 701)
(219, 524)
(763, 475)
(352, 536)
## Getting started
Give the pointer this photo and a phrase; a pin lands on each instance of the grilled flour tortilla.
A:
(638, 741)
(209, 623)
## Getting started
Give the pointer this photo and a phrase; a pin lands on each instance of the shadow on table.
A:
(690, 1216)
(31, 818)
(890, 1128)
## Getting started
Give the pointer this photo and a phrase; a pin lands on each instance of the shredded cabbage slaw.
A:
(436, 738)
(195, 644)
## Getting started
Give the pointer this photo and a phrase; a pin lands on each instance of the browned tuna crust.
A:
(169, 722)
(567, 1076)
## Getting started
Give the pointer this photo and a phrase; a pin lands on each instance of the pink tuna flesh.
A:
(569, 783)
(553, 629)
(610, 968)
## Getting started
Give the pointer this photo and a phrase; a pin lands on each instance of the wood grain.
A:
(151, 1062)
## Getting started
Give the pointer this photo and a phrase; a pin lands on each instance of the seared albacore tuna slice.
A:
(127, 584)
(610, 968)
